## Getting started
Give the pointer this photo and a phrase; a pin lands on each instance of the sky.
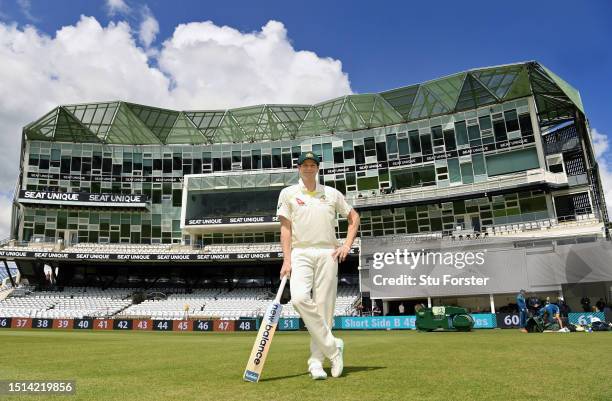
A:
(216, 55)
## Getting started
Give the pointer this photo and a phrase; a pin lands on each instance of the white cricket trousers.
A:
(314, 269)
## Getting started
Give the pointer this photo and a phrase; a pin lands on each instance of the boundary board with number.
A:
(106, 324)
(484, 321)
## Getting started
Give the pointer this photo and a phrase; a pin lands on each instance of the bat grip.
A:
(280, 289)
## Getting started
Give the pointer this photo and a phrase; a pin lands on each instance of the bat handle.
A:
(280, 289)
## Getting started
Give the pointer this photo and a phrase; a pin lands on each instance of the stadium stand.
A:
(75, 302)
(79, 302)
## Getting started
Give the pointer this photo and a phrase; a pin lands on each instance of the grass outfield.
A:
(379, 365)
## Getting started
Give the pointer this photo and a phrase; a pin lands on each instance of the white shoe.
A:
(337, 362)
(317, 372)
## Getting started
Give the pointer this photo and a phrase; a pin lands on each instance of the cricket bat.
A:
(256, 361)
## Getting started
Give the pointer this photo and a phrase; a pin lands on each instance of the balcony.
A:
(435, 194)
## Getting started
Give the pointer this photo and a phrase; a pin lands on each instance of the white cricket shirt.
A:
(312, 215)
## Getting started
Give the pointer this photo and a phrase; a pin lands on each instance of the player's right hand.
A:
(285, 270)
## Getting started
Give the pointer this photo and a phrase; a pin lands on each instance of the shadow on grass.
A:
(283, 377)
(348, 370)
(355, 369)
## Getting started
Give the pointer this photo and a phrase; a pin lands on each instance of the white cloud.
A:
(600, 147)
(600, 142)
(149, 27)
(201, 66)
(115, 7)
(221, 67)
(5, 215)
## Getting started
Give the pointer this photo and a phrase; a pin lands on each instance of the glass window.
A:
(415, 144)
(65, 165)
(96, 162)
(227, 163)
(453, 170)
(485, 122)
(499, 127)
(404, 149)
(216, 164)
(107, 165)
(473, 132)
(206, 157)
(287, 160)
(391, 143)
(512, 123)
(328, 155)
(466, 173)
(55, 155)
(350, 178)
(76, 164)
(525, 121)
(338, 156)
(147, 168)
(43, 162)
(177, 197)
(426, 147)
(367, 183)
(461, 131)
(415, 177)
(127, 166)
(256, 158)
(295, 151)
(449, 140)
(370, 146)
(276, 158)
(438, 139)
(425, 175)
(33, 160)
(381, 151)
(512, 162)
(266, 161)
(177, 163)
(246, 163)
(359, 154)
(536, 204)
(348, 150)
(167, 166)
(459, 207)
(479, 164)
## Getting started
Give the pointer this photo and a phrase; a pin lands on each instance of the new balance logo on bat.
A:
(262, 344)
(272, 317)
(273, 313)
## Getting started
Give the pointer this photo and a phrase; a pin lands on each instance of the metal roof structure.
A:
(128, 123)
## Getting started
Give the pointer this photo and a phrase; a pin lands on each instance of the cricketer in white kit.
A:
(307, 212)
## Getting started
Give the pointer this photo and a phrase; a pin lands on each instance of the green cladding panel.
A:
(401, 99)
(159, 121)
(473, 95)
(185, 132)
(97, 117)
(69, 129)
(129, 129)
